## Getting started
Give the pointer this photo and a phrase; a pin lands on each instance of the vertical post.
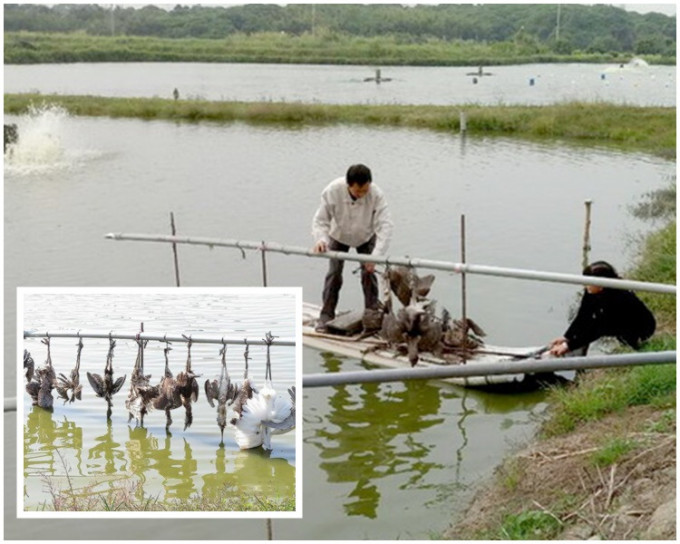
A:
(586, 235)
(270, 532)
(463, 286)
(174, 247)
(463, 122)
(264, 264)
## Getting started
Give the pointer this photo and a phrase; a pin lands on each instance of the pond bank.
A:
(604, 465)
(648, 129)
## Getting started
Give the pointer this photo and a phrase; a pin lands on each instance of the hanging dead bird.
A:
(222, 391)
(106, 387)
(463, 334)
(187, 385)
(264, 405)
(29, 365)
(422, 329)
(288, 423)
(42, 382)
(244, 395)
(168, 397)
(392, 330)
(406, 284)
(65, 384)
(141, 392)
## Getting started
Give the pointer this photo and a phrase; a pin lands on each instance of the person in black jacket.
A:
(606, 312)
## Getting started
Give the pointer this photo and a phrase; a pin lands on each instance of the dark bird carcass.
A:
(188, 387)
(72, 383)
(42, 382)
(105, 387)
(222, 391)
(142, 393)
(169, 396)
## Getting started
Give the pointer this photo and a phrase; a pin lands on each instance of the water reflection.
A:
(110, 450)
(252, 472)
(373, 436)
(53, 450)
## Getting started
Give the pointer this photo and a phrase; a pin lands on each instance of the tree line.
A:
(561, 28)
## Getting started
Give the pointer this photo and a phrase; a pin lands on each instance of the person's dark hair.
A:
(359, 174)
(600, 268)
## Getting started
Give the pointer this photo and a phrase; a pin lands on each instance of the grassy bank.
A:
(604, 464)
(323, 47)
(626, 127)
(130, 497)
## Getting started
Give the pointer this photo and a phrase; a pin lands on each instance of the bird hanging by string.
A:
(188, 387)
(222, 391)
(72, 383)
(264, 406)
(141, 392)
(169, 396)
(42, 382)
(105, 387)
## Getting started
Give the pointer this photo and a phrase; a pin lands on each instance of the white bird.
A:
(221, 390)
(263, 409)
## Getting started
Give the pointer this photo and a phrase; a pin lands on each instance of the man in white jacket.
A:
(353, 213)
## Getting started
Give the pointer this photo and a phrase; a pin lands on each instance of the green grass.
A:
(592, 124)
(529, 525)
(611, 452)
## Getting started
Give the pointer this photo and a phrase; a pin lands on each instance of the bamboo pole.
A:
(463, 286)
(174, 247)
(485, 270)
(586, 235)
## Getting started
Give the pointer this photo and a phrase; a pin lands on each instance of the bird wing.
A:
(97, 383)
(211, 391)
(118, 384)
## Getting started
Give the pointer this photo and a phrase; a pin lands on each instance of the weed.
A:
(612, 452)
(530, 525)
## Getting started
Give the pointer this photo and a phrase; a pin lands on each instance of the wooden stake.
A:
(264, 265)
(174, 247)
(586, 235)
(463, 285)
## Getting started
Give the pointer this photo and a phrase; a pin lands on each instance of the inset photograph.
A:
(159, 402)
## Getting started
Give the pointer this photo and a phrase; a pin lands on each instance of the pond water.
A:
(380, 461)
(74, 447)
(345, 84)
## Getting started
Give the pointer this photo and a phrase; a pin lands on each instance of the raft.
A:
(372, 350)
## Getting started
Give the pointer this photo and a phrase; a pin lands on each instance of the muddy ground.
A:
(631, 498)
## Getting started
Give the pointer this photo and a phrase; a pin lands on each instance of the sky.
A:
(666, 9)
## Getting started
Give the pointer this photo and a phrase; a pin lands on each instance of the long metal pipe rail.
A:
(195, 338)
(470, 370)
(485, 369)
(405, 261)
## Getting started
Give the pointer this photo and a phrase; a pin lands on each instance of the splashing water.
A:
(41, 146)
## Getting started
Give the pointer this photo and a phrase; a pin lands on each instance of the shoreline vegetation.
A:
(323, 47)
(629, 128)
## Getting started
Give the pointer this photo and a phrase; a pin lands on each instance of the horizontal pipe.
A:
(406, 261)
(11, 405)
(195, 338)
(487, 369)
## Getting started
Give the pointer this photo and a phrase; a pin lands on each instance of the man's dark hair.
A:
(359, 174)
